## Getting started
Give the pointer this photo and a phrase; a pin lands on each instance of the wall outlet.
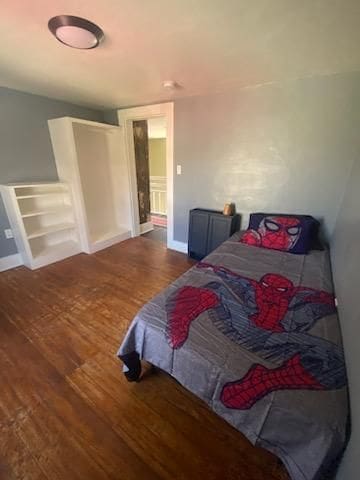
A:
(8, 233)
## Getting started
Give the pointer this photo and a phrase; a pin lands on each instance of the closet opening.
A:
(151, 176)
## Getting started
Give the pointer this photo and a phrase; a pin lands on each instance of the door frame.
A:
(125, 119)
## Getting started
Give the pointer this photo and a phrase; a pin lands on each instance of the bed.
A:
(254, 333)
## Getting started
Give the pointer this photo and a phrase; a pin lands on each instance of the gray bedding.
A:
(255, 334)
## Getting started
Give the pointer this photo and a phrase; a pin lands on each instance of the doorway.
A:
(148, 133)
(157, 178)
(150, 166)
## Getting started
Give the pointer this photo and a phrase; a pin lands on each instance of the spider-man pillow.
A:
(289, 233)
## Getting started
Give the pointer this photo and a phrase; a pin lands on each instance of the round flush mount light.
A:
(170, 84)
(75, 32)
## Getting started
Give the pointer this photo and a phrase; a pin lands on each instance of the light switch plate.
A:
(178, 169)
(8, 233)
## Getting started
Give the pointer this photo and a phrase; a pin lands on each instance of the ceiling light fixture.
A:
(75, 32)
(170, 84)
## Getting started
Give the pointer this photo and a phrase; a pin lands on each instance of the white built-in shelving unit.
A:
(43, 221)
(89, 156)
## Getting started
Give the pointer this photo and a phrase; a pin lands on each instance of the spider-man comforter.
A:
(255, 334)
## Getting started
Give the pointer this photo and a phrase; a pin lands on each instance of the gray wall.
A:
(25, 148)
(282, 147)
(346, 269)
(110, 116)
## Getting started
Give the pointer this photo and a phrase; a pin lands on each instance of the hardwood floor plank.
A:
(16, 460)
(25, 375)
(81, 423)
(54, 447)
(162, 426)
(66, 410)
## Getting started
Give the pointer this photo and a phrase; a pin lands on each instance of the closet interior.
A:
(89, 157)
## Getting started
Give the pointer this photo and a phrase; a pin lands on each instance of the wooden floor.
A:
(66, 412)
(159, 234)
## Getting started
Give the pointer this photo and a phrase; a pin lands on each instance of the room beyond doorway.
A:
(157, 175)
(150, 167)
(150, 205)
(157, 171)
(158, 234)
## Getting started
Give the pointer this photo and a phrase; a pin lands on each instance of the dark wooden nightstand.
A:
(208, 229)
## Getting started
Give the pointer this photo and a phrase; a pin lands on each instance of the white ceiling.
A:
(205, 45)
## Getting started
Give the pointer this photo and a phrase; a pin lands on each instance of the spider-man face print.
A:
(280, 233)
(273, 294)
(274, 288)
(291, 233)
(275, 232)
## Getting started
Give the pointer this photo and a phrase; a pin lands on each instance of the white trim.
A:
(146, 227)
(90, 123)
(108, 242)
(11, 261)
(36, 184)
(125, 118)
(178, 246)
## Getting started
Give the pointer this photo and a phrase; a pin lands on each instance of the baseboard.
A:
(11, 261)
(102, 244)
(178, 246)
(146, 227)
